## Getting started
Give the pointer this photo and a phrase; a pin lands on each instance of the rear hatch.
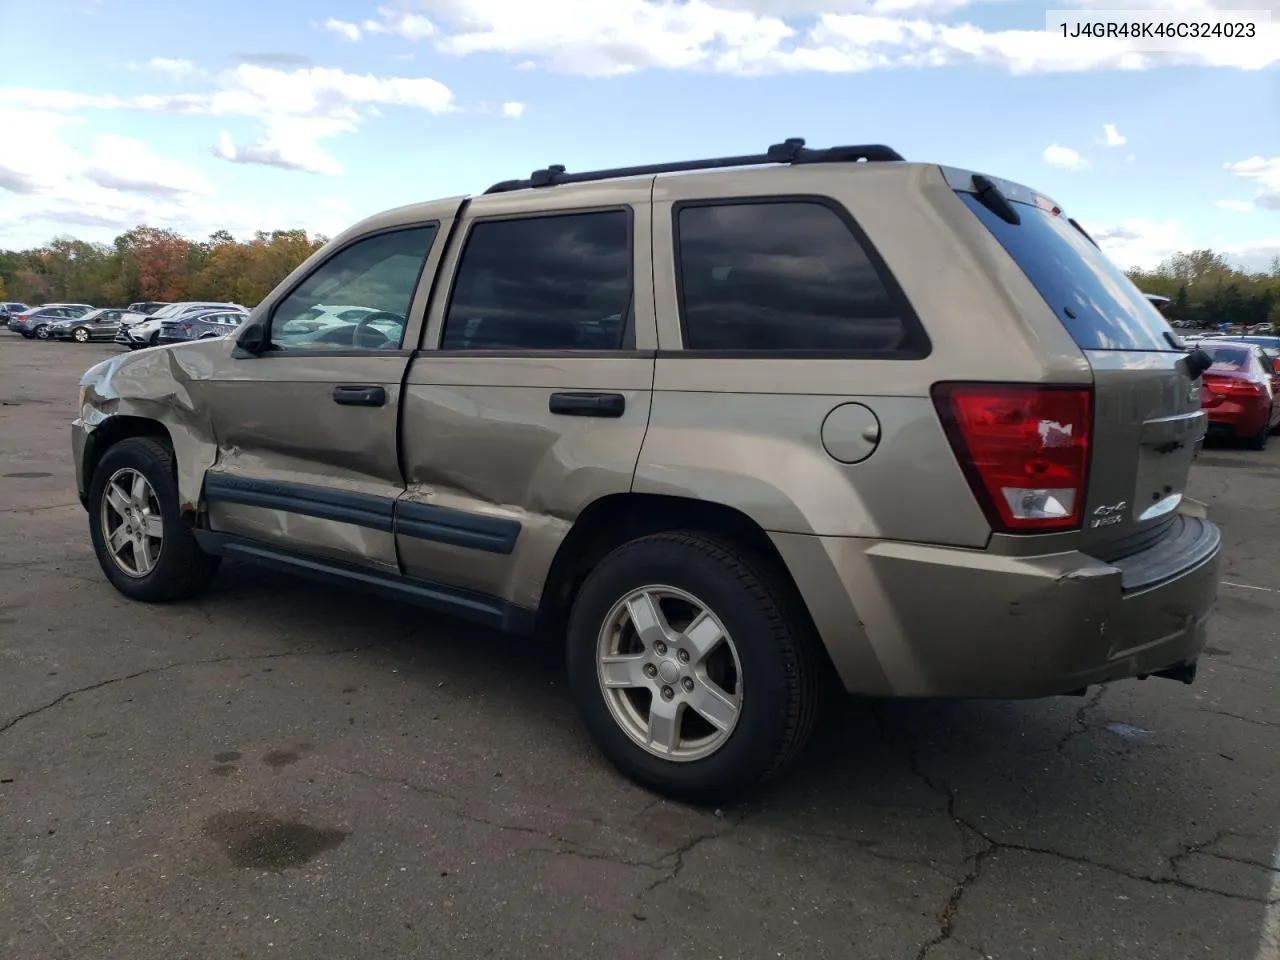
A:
(1146, 418)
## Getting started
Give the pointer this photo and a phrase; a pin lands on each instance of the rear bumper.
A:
(1239, 419)
(902, 619)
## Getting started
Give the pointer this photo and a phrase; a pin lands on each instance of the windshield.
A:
(167, 311)
(1091, 296)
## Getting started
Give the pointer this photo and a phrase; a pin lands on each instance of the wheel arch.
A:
(613, 520)
(106, 435)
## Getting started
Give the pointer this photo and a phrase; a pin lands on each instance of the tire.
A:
(1259, 440)
(180, 569)
(41, 332)
(771, 644)
(81, 335)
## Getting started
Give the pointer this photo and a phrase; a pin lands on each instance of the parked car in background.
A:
(202, 326)
(11, 308)
(35, 323)
(145, 330)
(1240, 392)
(716, 433)
(147, 307)
(100, 324)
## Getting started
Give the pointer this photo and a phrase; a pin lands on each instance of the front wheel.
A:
(80, 334)
(693, 671)
(143, 545)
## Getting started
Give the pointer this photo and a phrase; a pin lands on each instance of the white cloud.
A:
(1240, 206)
(513, 109)
(289, 143)
(295, 107)
(1112, 136)
(1064, 158)
(120, 163)
(1264, 174)
(1135, 242)
(1254, 257)
(588, 37)
(343, 28)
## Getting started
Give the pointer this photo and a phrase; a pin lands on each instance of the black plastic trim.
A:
(1188, 542)
(792, 151)
(362, 510)
(921, 347)
(477, 607)
(456, 527)
(419, 520)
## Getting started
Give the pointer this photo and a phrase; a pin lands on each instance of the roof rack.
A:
(791, 151)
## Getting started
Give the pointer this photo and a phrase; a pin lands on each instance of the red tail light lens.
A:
(1233, 386)
(1024, 448)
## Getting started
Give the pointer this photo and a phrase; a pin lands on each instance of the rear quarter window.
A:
(1090, 295)
(787, 275)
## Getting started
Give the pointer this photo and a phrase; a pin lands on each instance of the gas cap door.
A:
(851, 433)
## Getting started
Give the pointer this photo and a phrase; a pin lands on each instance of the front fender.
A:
(159, 386)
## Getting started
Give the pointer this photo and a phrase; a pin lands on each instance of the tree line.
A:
(147, 263)
(1207, 291)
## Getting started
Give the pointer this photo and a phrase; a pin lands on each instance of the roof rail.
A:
(791, 151)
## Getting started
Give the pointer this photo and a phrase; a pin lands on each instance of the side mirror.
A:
(252, 340)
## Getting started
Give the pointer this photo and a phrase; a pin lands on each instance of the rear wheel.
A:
(1259, 440)
(692, 673)
(80, 334)
(143, 545)
(41, 332)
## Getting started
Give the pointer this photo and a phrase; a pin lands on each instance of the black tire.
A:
(81, 335)
(41, 332)
(182, 569)
(780, 671)
(1259, 440)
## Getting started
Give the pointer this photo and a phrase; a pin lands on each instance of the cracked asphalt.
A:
(281, 770)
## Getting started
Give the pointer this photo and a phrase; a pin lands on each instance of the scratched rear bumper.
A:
(928, 621)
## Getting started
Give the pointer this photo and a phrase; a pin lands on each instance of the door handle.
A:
(588, 404)
(360, 396)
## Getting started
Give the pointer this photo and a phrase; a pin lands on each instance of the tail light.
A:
(1233, 386)
(185, 328)
(1024, 449)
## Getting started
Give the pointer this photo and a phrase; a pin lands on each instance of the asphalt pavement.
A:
(283, 771)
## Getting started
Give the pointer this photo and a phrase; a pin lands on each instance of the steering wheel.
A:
(364, 337)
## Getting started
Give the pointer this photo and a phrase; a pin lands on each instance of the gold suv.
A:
(724, 428)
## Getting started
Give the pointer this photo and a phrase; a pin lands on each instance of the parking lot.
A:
(282, 771)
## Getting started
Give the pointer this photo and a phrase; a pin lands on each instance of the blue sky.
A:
(282, 114)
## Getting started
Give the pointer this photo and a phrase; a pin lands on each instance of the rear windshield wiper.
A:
(989, 196)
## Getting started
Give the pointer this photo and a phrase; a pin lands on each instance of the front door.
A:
(531, 396)
(306, 429)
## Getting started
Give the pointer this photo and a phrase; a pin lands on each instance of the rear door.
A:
(1147, 416)
(531, 396)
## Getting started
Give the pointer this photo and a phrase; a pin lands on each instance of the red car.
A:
(1241, 392)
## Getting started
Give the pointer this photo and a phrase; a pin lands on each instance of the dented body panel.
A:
(466, 478)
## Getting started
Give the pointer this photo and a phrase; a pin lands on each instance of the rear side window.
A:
(543, 283)
(1091, 296)
(784, 276)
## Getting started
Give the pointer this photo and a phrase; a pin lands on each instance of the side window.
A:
(379, 272)
(543, 283)
(783, 275)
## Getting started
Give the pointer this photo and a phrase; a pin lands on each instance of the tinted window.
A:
(379, 272)
(1096, 302)
(543, 283)
(786, 276)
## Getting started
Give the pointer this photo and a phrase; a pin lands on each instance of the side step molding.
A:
(470, 605)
